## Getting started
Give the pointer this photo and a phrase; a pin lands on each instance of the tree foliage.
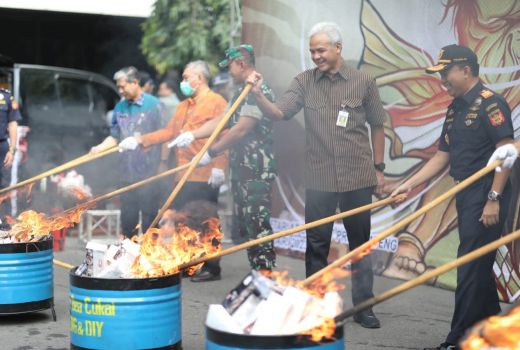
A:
(179, 31)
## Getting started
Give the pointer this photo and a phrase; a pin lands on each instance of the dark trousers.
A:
(476, 294)
(142, 199)
(320, 204)
(6, 204)
(195, 191)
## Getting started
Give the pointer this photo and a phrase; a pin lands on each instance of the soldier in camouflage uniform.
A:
(252, 164)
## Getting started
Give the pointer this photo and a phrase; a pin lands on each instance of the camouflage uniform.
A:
(253, 170)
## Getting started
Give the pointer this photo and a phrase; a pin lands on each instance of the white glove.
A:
(508, 153)
(216, 178)
(183, 140)
(205, 160)
(128, 144)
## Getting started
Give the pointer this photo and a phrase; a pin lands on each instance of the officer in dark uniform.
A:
(477, 121)
(9, 117)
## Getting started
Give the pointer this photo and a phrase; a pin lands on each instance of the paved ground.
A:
(410, 321)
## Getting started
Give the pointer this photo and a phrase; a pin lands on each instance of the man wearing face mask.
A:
(137, 113)
(477, 122)
(252, 164)
(201, 106)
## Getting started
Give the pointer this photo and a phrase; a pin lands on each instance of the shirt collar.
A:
(344, 72)
(138, 101)
(472, 94)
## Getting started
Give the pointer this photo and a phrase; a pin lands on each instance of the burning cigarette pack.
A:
(261, 306)
(109, 261)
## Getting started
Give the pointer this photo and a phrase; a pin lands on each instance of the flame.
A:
(79, 193)
(25, 189)
(496, 332)
(325, 284)
(31, 224)
(163, 250)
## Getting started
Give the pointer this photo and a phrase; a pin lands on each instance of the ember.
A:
(280, 306)
(496, 332)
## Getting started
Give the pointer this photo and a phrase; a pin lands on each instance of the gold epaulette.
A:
(486, 93)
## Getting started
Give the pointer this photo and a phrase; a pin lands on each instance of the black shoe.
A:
(367, 319)
(444, 346)
(205, 276)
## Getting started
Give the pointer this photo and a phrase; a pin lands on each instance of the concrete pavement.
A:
(420, 317)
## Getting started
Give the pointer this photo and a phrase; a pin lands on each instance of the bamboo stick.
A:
(293, 230)
(429, 275)
(193, 164)
(395, 228)
(62, 264)
(129, 187)
(70, 164)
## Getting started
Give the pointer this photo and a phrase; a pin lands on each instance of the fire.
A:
(31, 224)
(496, 332)
(25, 189)
(163, 250)
(326, 283)
(79, 193)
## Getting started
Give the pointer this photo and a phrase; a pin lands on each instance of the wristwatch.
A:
(12, 150)
(494, 196)
(380, 166)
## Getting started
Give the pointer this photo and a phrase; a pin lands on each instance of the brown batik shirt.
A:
(338, 158)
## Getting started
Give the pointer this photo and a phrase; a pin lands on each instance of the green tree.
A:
(179, 31)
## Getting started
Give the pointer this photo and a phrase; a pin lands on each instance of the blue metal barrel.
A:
(26, 277)
(218, 340)
(125, 313)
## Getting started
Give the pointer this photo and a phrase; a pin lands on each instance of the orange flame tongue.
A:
(326, 283)
(33, 224)
(164, 250)
(496, 332)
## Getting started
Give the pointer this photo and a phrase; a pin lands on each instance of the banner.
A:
(394, 40)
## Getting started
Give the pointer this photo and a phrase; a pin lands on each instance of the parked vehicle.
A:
(67, 111)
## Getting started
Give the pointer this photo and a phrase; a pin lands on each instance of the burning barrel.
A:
(26, 277)
(219, 340)
(139, 313)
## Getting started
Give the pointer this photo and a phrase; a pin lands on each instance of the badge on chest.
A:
(342, 118)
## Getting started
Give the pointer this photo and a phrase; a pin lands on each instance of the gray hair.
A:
(129, 73)
(202, 68)
(331, 29)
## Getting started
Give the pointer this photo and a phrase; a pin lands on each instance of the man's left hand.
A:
(216, 178)
(490, 213)
(8, 160)
(380, 183)
(205, 160)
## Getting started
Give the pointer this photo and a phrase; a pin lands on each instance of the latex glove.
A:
(508, 153)
(97, 149)
(183, 140)
(128, 144)
(216, 178)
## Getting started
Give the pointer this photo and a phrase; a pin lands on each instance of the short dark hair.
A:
(170, 83)
(145, 77)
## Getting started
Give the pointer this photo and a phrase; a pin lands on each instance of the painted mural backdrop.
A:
(394, 40)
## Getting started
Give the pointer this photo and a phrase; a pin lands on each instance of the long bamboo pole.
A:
(193, 164)
(395, 228)
(129, 187)
(62, 264)
(291, 231)
(429, 275)
(70, 164)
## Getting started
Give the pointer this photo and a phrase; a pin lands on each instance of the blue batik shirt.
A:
(134, 118)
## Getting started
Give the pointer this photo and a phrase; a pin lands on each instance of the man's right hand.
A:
(401, 189)
(183, 140)
(256, 80)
